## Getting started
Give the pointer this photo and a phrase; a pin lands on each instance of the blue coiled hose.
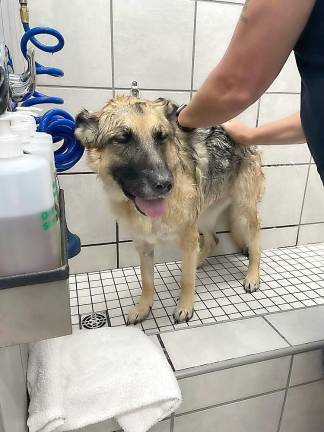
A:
(56, 122)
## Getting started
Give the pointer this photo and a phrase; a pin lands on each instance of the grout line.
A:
(223, 2)
(112, 47)
(306, 382)
(258, 115)
(242, 399)
(285, 395)
(193, 49)
(74, 173)
(116, 88)
(276, 330)
(117, 245)
(98, 244)
(165, 352)
(303, 202)
(172, 422)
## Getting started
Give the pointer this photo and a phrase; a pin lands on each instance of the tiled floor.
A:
(292, 278)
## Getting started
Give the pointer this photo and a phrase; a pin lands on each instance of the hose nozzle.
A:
(24, 12)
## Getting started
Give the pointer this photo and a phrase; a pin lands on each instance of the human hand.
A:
(239, 132)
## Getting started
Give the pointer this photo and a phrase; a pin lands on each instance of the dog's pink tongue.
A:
(153, 208)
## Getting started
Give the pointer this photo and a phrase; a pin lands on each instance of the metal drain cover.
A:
(94, 320)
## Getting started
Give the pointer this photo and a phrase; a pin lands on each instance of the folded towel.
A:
(95, 375)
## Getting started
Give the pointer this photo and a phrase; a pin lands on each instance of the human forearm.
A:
(263, 39)
(284, 131)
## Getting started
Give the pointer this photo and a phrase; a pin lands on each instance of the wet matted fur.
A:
(141, 155)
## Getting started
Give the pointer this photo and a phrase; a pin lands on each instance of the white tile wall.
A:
(313, 210)
(87, 210)
(273, 107)
(313, 233)
(251, 415)
(288, 80)
(86, 56)
(307, 367)
(153, 43)
(282, 201)
(215, 26)
(304, 409)
(94, 258)
(215, 388)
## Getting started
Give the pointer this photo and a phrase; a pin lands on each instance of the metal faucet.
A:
(135, 90)
(19, 85)
(24, 85)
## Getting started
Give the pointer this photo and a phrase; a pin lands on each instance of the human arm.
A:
(265, 35)
(284, 131)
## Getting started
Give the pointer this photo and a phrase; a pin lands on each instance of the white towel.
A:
(95, 375)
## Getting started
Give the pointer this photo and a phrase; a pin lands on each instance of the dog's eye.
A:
(160, 135)
(123, 137)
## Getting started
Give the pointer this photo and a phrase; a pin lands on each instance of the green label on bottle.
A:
(49, 218)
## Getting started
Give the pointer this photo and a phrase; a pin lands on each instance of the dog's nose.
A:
(163, 186)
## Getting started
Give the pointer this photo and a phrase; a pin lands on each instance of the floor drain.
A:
(94, 320)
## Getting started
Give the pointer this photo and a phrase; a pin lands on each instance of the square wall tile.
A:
(87, 210)
(94, 258)
(204, 345)
(283, 198)
(215, 26)
(313, 210)
(304, 409)
(252, 415)
(105, 426)
(214, 388)
(164, 252)
(153, 41)
(13, 390)
(313, 233)
(300, 326)
(76, 99)
(288, 79)
(86, 31)
(278, 237)
(307, 367)
(274, 107)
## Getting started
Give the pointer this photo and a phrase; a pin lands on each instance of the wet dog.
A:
(168, 184)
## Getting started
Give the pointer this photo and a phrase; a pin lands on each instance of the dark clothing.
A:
(309, 52)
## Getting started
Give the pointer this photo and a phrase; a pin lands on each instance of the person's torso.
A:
(309, 52)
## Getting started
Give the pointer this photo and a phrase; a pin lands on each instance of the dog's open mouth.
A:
(153, 208)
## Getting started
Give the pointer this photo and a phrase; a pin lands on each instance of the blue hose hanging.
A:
(57, 122)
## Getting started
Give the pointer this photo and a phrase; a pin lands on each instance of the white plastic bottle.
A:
(29, 229)
(36, 143)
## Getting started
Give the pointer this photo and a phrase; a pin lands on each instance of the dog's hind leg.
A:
(142, 309)
(246, 232)
(245, 224)
(189, 243)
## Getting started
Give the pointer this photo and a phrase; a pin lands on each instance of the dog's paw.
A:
(138, 313)
(251, 284)
(183, 314)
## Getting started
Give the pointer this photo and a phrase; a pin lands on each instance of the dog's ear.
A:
(86, 128)
(170, 108)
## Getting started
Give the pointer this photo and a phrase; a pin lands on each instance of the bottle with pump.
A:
(29, 229)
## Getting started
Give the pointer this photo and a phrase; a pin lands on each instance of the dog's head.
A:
(131, 140)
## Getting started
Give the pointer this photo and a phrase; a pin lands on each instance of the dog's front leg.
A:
(140, 311)
(189, 243)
